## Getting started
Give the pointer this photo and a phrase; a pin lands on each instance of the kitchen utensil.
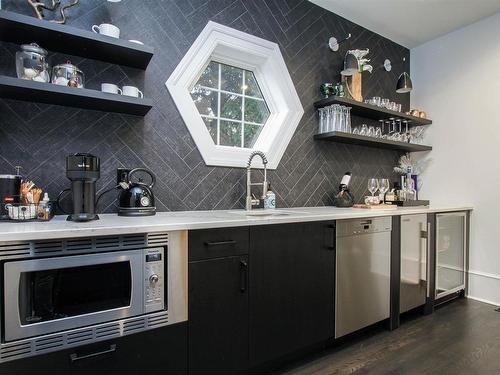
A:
(136, 197)
(31, 63)
(68, 75)
(110, 88)
(83, 170)
(132, 91)
(107, 29)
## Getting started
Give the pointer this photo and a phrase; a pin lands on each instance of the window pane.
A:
(205, 100)
(256, 111)
(230, 133)
(252, 88)
(230, 106)
(251, 133)
(232, 79)
(211, 125)
(210, 77)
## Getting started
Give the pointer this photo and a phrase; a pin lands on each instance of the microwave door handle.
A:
(74, 357)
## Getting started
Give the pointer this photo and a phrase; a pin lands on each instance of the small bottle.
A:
(344, 197)
(43, 207)
(270, 200)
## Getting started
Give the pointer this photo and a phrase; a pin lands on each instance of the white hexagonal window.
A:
(236, 96)
(231, 104)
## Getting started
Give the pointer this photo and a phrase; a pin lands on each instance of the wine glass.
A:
(383, 186)
(373, 186)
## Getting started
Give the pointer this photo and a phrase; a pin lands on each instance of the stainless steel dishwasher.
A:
(363, 273)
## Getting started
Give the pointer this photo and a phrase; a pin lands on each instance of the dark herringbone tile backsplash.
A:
(38, 137)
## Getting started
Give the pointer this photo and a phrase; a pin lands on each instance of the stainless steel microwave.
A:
(44, 296)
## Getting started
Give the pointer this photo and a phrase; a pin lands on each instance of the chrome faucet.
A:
(250, 201)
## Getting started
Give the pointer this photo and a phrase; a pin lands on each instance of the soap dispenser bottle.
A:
(270, 199)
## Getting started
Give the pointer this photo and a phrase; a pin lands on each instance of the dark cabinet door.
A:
(291, 288)
(158, 351)
(218, 315)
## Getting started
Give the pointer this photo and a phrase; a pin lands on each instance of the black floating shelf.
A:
(20, 29)
(362, 140)
(371, 111)
(20, 89)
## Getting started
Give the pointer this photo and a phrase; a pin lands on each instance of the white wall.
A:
(456, 79)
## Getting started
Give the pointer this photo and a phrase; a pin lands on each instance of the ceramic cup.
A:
(111, 88)
(132, 91)
(107, 29)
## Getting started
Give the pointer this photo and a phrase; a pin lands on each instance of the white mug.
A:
(132, 91)
(107, 29)
(111, 88)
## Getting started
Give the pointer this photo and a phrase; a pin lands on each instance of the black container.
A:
(83, 170)
(136, 197)
(10, 186)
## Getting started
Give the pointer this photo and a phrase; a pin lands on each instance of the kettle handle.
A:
(153, 178)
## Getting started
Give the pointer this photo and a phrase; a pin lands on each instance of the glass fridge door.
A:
(451, 240)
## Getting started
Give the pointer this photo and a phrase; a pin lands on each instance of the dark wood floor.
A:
(462, 337)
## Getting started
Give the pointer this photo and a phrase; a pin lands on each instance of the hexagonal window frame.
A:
(232, 47)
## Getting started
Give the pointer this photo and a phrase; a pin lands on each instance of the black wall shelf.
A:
(370, 141)
(20, 89)
(371, 111)
(20, 29)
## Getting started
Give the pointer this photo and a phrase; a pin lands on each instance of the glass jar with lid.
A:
(68, 75)
(31, 63)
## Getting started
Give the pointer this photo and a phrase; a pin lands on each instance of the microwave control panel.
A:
(154, 279)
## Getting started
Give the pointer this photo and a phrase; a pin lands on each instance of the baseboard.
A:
(481, 300)
(484, 287)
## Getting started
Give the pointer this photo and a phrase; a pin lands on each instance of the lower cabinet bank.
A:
(260, 296)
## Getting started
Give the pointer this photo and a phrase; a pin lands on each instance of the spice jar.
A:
(68, 75)
(31, 63)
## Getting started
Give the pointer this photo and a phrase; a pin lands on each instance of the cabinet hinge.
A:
(423, 234)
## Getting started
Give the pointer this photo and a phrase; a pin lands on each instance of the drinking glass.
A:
(322, 120)
(348, 120)
(371, 131)
(376, 101)
(373, 186)
(383, 186)
(384, 102)
(341, 118)
(378, 133)
(356, 130)
(364, 130)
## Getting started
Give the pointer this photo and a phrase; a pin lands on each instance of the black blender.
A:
(83, 170)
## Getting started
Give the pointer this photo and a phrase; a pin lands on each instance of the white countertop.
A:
(111, 224)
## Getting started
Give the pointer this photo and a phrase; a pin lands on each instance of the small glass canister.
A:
(68, 75)
(31, 63)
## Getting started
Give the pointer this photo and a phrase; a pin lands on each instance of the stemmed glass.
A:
(373, 186)
(383, 186)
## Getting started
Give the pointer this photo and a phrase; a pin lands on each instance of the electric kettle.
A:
(136, 197)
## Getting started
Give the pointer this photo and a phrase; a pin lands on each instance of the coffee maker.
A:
(83, 171)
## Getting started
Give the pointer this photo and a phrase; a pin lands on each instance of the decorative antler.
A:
(63, 8)
(39, 6)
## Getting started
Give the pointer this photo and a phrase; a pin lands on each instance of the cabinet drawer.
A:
(158, 351)
(216, 243)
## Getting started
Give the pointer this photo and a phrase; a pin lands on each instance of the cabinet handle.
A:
(220, 243)
(74, 357)
(428, 254)
(243, 276)
(332, 241)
